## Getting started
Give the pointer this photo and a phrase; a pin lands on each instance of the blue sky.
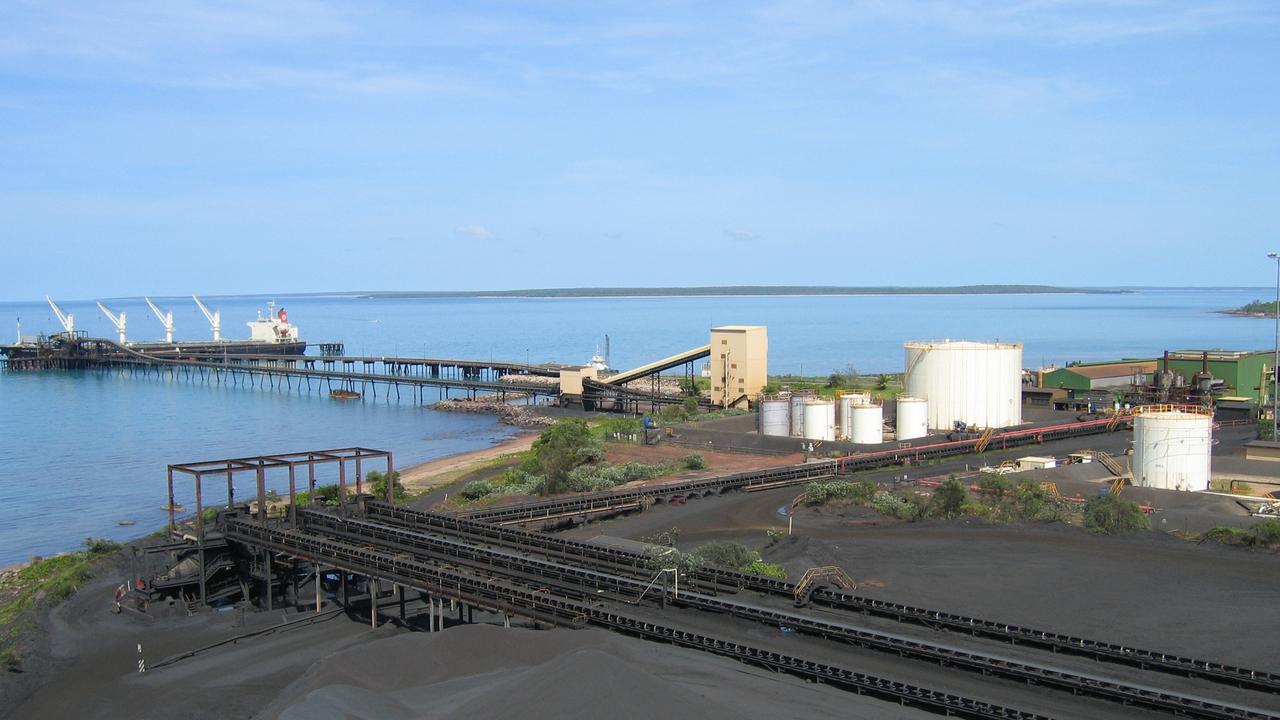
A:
(228, 147)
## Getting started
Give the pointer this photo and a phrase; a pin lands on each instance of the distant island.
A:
(1257, 308)
(728, 290)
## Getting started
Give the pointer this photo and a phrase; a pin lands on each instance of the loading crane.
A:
(166, 319)
(117, 320)
(214, 318)
(68, 320)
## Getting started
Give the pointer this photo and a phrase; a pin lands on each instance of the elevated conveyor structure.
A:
(658, 366)
(573, 584)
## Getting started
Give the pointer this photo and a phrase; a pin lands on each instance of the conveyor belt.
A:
(517, 566)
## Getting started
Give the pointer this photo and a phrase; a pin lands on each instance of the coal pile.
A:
(484, 671)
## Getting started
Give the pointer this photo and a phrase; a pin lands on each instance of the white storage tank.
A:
(819, 419)
(867, 426)
(797, 413)
(1171, 447)
(775, 416)
(977, 383)
(913, 418)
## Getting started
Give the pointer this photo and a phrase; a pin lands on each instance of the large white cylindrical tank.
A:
(977, 383)
(913, 418)
(867, 426)
(819, 419)
(775, 416)
(1171, 448)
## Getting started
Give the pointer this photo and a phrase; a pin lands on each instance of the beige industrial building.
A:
(739, 364)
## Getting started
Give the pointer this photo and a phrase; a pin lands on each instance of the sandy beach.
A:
(432, 473)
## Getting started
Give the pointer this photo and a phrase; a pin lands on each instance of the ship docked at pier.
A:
(269, 334)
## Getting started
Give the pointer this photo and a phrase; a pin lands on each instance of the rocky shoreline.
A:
(516, 415)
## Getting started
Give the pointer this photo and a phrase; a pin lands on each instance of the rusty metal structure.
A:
(196, 531)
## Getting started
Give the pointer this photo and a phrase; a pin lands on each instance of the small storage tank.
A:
(819, 419)
(775, 415)
(977, 383)
(797, 413)
(1171, 447)
(867, 426)
(913, 418)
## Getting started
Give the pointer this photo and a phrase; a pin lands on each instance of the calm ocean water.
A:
(80, 452)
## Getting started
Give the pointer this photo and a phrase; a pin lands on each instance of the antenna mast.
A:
(68, 321)
(214, 318)
(117, 320)
(166, 319)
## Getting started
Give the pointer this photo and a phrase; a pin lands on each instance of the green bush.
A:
(668, 538)
(98, 547)
(1266, 532)
(619, 426)
(1263, 534)
(995, 485)
(822, 492)
(377, 483)
(694, 461)
(476, 489)
(727, 554)
(561, 448)
(1228, 536)
(1030, 501)
(948, 499)
(1112, 515)
(886, 503)
(771, 570)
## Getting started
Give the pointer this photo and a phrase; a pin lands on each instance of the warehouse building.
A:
(1100, 376)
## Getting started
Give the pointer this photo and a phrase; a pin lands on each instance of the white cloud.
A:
(476, 232)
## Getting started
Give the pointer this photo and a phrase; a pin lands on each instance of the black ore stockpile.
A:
(483, 671)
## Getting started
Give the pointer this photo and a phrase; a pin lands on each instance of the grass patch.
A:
(1264, 534)
(43, 583)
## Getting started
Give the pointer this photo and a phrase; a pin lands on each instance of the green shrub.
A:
(98, 547)
(377, 484)
(1266, 532)
(619, 426)
(821, 492)
(1111, 515)
(977, 510)
(561, 448)
(694, 461)
(886, 503)
(771, 570)
(995, 485)
(1029, 500)
(1228, 536)
(727, 554)
(947, 499)
(476, 489)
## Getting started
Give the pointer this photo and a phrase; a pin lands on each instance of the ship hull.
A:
(228, 347)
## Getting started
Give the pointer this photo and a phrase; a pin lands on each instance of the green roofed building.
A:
(1100, 375)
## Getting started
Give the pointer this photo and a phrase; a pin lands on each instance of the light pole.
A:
(1275, 362)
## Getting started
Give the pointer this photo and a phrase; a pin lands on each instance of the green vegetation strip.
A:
(42, 583)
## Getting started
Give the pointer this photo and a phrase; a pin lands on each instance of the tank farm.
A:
(509, 563)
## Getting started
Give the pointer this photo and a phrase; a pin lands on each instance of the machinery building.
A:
(739, 364)
(1243, 374)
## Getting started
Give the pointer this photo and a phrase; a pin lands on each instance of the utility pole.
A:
(1275, 362)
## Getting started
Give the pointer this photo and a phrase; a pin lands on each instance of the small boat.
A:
(344, 395)
(126, 523)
